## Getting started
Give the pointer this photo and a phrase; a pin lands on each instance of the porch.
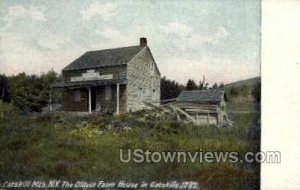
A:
(105, 96)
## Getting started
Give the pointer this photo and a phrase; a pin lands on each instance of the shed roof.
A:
(104, 58)
(202, 96)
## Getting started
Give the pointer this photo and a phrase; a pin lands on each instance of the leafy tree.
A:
(215, 85)
(32, 93)
(191, 85)
(169, 88)
(26, 92)
(49, 79)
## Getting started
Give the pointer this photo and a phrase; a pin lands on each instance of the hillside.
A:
(248, 82)
(244, 90)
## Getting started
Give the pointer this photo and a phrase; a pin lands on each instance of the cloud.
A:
(106, 11)
(51, 41)
(195, 40)
(17, 56)
(114, 38)
(173, 35)
(20, 55)
(19, 12)
(187, 38)
(184, 65)
(216, 69)
(179, 29)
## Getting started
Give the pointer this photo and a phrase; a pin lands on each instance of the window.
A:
(153, 94)
(152, 68)
(108, 93)
(140, 93)
(77, 96)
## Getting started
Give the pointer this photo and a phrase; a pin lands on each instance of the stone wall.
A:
(143, 81)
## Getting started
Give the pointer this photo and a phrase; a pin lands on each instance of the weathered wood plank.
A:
(186, 114)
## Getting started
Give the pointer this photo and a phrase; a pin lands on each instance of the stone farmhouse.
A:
(114, 81)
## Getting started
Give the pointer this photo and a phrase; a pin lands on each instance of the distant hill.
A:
(248, 82)
(244, 90)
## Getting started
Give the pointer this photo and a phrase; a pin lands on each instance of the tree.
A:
(256, 92)
(49, 79)
(202, 84)
(26, 92)
(31, 93)
(215, 85)
(191, 85)
(4, 96)
(169, 89)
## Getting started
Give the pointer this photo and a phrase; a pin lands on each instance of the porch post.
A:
(90, 100)
(118, 99)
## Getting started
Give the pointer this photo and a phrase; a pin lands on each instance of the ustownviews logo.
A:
(141, 156)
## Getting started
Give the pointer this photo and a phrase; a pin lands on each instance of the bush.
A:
(168, 127)
(8, 111)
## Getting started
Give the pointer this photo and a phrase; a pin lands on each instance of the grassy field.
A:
(61, 146)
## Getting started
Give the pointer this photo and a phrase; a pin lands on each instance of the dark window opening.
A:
(93, 98)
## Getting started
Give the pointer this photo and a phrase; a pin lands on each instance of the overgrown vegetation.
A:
(244, 91)
(62, 146)
(29, 93)
(171, 89)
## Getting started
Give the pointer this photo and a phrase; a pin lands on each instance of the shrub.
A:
(8, 111)
(168, 127)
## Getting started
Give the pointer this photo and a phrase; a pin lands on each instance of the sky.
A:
(188, 39)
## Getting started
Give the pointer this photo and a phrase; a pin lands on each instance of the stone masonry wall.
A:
(143, 81)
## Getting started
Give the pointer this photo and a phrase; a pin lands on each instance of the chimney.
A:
(143, 41)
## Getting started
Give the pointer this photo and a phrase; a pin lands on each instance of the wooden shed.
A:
(203, 106)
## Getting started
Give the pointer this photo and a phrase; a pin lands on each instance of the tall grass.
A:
(87, 148)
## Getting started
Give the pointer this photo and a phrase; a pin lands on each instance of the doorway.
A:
(93, 98)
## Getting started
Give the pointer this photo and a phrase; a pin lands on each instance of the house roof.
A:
(104, 58)
(201, 96)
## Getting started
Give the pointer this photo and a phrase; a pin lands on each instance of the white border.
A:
(281, 92)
